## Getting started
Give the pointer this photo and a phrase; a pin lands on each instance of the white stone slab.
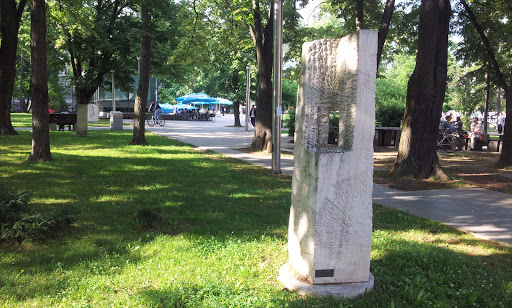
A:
(329, 235)
(347, 290)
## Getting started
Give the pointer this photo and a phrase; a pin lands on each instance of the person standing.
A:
(252, 114)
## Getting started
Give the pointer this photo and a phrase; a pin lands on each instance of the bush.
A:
(18, 225)
(389, 115)
(334, 119)
(12, 205)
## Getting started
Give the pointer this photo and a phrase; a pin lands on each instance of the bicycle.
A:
(448, 142)
(156, 120)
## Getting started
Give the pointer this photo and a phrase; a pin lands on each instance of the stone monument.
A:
(330, 227)
(116, 120)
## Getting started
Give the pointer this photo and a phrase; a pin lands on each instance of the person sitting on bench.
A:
(476, 133)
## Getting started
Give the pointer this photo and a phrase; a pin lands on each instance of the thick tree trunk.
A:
(263, 39)
(139, 136)
(236, 107)
(506, 150)
(360, 14)
(9, 26)
(417, 153)
(384, 27)
(40, 118)
(262, 139)
(83, 93)
(83, 96)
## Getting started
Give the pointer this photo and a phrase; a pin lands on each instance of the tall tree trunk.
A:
(384, 27)
(9, 26)
(140, 104)
(22, 100)
(485, 124)
(40, 118)
(498, 100)
(236, 111)
(83, 97)
(506, 150)
(360, 14)
(417, 153)
(83, 92)
(263, 39)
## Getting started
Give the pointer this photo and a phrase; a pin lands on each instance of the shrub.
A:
(17, 224)
(334, 119)
(389, 115)
(12, 205)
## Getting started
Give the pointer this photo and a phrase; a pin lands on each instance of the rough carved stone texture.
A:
(331, 214)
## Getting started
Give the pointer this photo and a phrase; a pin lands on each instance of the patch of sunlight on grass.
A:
(50, 200)
(157, 186)
(111, 198)
(466, 249)
(242, 195)
(173, 203)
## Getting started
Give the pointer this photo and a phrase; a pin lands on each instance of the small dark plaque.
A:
(324, 273)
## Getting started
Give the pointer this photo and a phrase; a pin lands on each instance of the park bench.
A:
(493, 145)
(63, 119)
(387, 136)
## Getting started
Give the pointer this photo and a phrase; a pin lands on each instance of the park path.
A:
(487, 214)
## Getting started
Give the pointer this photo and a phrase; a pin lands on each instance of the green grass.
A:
(225, 240)
(21, 119)
(25, 120)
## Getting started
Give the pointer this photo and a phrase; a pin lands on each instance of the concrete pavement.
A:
(487, 214)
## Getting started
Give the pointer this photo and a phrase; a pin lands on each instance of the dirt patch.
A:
(466, 169)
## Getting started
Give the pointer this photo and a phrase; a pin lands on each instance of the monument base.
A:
(291, 280)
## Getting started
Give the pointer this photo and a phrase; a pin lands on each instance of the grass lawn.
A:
(25, 120)
(221, 242)
(21, 119)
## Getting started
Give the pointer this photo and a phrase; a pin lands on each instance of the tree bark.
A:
(40, 118)
(506, 150)
(9, 25)
(417, 153)
(498, 100)
(83, 96)
(236, 107)
(359, 14)
(263, 39)
(140, 104)
(384, 27)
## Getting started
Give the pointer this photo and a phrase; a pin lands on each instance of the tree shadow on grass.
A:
(225, 207)
(201, 196)
(408, 274)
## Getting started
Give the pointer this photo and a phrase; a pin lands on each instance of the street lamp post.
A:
(277, 85)
(247, 97)
(113, 91)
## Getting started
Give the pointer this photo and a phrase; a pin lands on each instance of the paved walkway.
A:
(486, 214)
